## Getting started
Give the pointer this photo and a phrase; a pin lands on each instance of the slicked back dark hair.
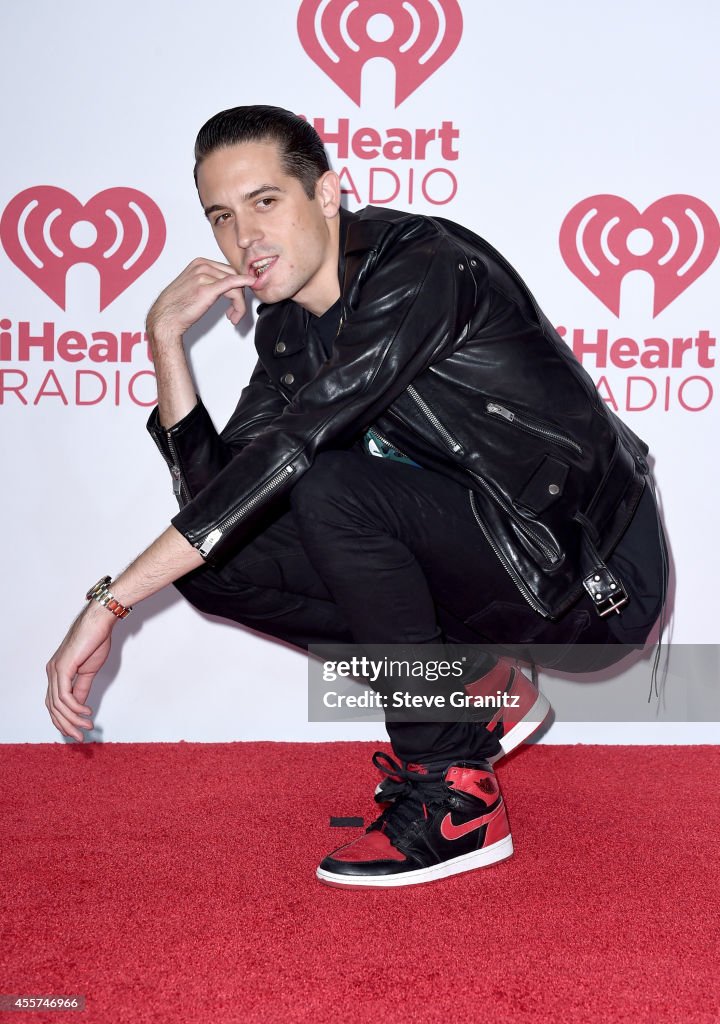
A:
(301, 148)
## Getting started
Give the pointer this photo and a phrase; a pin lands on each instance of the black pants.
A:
(372, 551)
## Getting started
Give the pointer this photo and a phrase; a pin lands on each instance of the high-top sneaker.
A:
(519, 709)
(444, 819)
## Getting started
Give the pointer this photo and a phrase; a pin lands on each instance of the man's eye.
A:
(266, 203)
(221, 218)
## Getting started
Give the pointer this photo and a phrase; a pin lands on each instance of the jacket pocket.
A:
(520, 421)
(544, 487)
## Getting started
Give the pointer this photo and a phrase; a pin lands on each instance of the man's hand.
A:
(192, 294)
(176, 309)
(72, 668)
(84, 650)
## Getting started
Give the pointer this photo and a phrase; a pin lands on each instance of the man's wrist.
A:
(163, 337)
(94, 613)
(101, 593)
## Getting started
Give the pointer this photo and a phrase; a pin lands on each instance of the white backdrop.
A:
(512, 119)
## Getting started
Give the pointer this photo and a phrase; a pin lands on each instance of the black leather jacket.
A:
(444, 351)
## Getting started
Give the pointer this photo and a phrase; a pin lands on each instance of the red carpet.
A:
(175, 882)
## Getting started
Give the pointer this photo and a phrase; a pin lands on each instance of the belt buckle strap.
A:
(607, 592)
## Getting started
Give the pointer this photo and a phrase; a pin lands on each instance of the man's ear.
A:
(328, 192)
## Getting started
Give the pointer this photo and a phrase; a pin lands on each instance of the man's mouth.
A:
(261, 266)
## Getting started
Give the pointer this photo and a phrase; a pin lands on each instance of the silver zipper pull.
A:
(209, 543)
(175, 473)
(500, 410)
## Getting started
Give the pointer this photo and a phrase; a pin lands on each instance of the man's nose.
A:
(247, 232)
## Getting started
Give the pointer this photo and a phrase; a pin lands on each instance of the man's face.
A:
(267, 227)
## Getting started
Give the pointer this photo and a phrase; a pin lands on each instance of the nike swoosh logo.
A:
(450, 831)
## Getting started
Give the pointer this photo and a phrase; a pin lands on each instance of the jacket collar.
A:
(346, 219)
(287, 321)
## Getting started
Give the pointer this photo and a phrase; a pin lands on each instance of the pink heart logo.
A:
(416, 36)
(604, 237)
(45, 231)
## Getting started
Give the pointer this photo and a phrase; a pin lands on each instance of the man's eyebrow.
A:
(244, 199)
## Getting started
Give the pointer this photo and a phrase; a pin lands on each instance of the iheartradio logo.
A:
(416, 36)
(605, 237)
(45, 231)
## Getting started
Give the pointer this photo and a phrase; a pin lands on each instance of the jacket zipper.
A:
(534, 428)
(214, 536)
(520, 523)
(179, 488)
(457, 448)
(452, 443)
(514, 576)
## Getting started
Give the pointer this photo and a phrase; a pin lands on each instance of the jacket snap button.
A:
(473, 263)
(554, 489)
(461, 266)
(289, 378)
(280, 347)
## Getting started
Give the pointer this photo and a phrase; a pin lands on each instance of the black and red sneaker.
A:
(522, 710)
(444, 819)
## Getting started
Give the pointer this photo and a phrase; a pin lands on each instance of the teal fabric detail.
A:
(380, 449)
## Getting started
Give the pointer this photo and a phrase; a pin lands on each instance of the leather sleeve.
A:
(194, 450)
(408, 297)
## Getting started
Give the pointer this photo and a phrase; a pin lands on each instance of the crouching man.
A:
(417, 459)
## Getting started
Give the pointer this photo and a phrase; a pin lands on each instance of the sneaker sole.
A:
(468, 862)
(524, 729)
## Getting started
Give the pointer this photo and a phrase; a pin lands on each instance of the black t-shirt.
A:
(324, 328)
